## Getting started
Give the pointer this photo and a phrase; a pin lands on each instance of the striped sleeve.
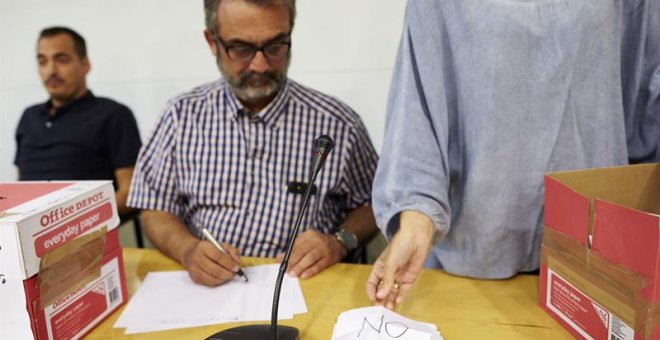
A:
(154, 184)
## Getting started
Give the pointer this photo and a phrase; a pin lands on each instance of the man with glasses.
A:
(233, 156)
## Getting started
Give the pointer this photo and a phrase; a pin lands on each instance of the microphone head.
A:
(322, 147)
(324, 144)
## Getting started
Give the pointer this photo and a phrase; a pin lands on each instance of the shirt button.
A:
(257, 154)
(49, 124)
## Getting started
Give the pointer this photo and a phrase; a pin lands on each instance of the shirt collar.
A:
(63, 109)
(268, 114)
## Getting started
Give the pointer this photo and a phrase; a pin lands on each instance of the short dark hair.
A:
(79, 45)
(211, 12)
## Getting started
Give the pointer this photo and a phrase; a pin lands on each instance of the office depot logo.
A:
(61, 213)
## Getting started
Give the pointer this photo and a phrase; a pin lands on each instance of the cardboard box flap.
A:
(616, 228)
(15, 194)
(634, 186)
(21, 200)
(566, 210)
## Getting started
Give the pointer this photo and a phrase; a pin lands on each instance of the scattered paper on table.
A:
(379, 323)
(169, 300)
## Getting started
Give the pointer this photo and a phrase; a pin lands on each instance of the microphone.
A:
(322, 147)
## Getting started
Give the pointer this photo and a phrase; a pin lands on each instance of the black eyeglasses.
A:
(245, 52)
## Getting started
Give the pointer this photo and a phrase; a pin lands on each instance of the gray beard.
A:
(252, 86)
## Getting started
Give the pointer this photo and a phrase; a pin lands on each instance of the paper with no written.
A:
(169, 300)
(379, 323)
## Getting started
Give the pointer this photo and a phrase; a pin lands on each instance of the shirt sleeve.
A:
(123, 138)
(413, 171)
(154, 184)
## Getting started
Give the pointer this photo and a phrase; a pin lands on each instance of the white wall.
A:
(145, 51)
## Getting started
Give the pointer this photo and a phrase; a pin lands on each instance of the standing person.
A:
(486, 97)
(233, 156)
(75, 135)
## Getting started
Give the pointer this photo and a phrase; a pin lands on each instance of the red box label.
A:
(71, 320)
(72, 229)
(585, 316)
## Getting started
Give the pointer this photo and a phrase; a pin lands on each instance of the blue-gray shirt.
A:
(487, 96)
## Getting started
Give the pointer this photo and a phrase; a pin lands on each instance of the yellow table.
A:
(461, 308)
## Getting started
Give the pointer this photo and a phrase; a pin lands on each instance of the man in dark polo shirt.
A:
(75, 135)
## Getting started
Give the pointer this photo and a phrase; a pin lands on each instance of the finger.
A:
(279, 257)
(202, 272)
(403, 293)
(371, 291)
(317, 267)
(300, 251)
(389, 270)
(305, 262)
(214, 269)
(327, 258)
(372, 283)
(296, 253)
(199, 276)
(221, 259)
(234, 253)
(294, 258)
(390, 301)
(220, 273)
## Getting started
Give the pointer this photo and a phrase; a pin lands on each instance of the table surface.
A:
(461, 308)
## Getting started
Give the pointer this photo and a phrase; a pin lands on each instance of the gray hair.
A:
(211, 12)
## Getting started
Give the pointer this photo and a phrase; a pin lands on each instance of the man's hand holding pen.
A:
(209, 266)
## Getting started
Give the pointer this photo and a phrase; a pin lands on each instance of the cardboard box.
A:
(600, 256)
(61, 269)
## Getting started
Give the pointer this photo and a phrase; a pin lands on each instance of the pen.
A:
(217, 245)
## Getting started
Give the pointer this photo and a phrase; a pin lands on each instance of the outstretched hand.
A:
(398, 266)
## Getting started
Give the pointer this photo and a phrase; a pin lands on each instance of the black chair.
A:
(357, 256)
(135, 217)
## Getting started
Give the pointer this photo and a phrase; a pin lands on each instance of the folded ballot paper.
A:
(379, 323)
(169, 300)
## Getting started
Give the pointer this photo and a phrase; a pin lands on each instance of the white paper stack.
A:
(379, 323)
(169, 300)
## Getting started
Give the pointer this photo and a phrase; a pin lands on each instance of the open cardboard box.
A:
(61, 269)
(600, 256)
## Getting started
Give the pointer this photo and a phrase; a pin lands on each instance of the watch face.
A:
(349, 239)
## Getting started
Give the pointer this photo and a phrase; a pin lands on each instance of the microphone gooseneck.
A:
(322, 147)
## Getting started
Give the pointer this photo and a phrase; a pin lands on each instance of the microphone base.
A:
(256, 332)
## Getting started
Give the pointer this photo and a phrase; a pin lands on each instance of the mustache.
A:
(55, 78)
(252, 76)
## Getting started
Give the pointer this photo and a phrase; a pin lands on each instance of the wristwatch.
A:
(347, 239)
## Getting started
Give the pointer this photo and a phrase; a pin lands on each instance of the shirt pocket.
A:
(213, 174)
